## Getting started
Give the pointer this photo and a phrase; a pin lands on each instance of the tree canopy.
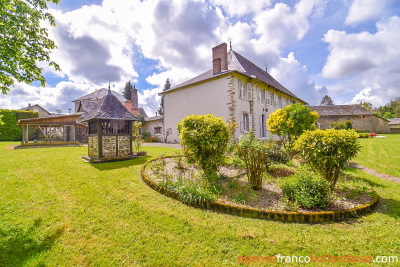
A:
(23, 42)
(290, 122)
(127, 90)
(167, 86)
(327, 100)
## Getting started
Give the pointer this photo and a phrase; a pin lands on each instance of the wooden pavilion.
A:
(110, 130)
(64, 128)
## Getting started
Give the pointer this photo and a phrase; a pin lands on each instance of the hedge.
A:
(10, 131)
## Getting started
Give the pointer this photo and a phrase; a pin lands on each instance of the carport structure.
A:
(66, 127)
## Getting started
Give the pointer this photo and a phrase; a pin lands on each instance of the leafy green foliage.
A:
(337, 125)
(328, 151)
(24, 42)
(307, 189)
(390, 109)
(254, 154)
(275, 154)
(137, 137)
(290, 122)
(204, 139)
(348, 125)
(146, 136)
(9, 129)
(127, 90)
(388, 115)
(363, 135)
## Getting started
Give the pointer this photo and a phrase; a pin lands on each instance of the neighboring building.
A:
(132, 105)
(154, 125)
(394, 125)
(235, 89)
(361, 119)
(42, 112)
(87, 102)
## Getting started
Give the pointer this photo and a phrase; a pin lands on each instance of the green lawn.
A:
(57, 210)
(382, 155)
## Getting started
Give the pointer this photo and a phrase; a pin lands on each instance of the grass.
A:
(57, 210)
(382, 155)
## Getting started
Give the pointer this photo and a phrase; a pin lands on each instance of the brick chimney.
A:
(220, 58)
(134, 99)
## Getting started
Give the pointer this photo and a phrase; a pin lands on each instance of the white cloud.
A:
(364, 10)
(240, 7)
(368, 95)
(364, 60)
(290, 73)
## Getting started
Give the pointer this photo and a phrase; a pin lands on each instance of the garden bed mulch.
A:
(236, 191)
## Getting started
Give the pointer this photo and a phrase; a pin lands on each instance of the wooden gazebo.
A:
(110, 130)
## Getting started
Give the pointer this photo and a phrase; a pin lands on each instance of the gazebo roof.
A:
(110, 108)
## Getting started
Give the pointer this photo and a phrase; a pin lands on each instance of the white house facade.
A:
(235, 89)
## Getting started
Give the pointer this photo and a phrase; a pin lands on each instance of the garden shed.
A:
(110, 130)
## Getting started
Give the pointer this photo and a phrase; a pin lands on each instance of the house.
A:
(235, 89)
(42, 112)
(132, 105)
(394, 125)
(154, 126)
(361, 118)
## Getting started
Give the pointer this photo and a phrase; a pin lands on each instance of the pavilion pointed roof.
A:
(110, 108)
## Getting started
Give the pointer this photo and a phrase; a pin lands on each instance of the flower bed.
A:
(232, 193)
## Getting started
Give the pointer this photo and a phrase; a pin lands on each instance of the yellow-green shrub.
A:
(327, 151)
(204, 139)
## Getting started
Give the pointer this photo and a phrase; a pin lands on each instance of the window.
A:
(114, 127)
(279, 102)
(93, 127)
(157, 130)
(245, 91)
(267, 98)
(262, 97)
(272, 99)
(244, 122)
(263, 126)
(249, 91)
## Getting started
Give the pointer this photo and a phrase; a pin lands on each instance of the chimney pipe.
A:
(29, 105)
(220, 58)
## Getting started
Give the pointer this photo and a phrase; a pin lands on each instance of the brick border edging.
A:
(308, 217)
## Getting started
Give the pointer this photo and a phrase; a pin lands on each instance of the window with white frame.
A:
(244, 122)
(272, 98)
(267, 98)
(263, 126)
(249, 92)
(279, 102)
(244, 91)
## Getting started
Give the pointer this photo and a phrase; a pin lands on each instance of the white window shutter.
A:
(262, 96)
(239, 90)
(261, 128)
(241, 122)
(267, 98)
(249, 97)
(244, 93)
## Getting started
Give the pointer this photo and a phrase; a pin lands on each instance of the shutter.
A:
(241, 123)
(259, 96)
(267, 98)
(249, 122)
(239, 90)
(244, 91)
(249, 89)
(261, 128)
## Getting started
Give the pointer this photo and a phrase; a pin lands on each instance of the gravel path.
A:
(163, 145)
(378, 174)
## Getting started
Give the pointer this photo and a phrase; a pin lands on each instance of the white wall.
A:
(205, 98)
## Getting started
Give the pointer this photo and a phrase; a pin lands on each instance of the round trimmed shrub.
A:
(204, 139)
(307, 189)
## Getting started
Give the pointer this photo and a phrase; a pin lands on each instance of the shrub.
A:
(275, 154)
(9, 129)
(348, 124)
(372, 135)
(337, 125)
(363, 135)
(137, 138)
(290, 122)
(307, 189)
(328, 151)
(146, 136)
(254, 154)
(204, 139)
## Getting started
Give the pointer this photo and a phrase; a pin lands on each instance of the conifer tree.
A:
(327, 100)
(127, 90)
(167, 86)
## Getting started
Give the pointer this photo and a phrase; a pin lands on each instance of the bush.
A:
(9, 129)
(363, 135)
(328, 151)
(275, 154)
(146, 136)
(307, 189)
(372, 135)
(204, 139)
(348, 125)
(254, 154)
(337, 125)
(290, 122)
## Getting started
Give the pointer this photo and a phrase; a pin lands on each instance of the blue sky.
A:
(348, 49)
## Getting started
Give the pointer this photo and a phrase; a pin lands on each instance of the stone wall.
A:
(93, 147)
(124, 146)
(369, 123)
(109, 146)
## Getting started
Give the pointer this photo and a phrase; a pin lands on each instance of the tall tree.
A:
(127, 90)
(366, 105)
(167, 86)
(327, 100)
(23, 42)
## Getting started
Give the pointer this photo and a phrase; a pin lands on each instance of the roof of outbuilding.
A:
(110, 108)
(99, 94)
(238, 63)
(154, 118)
(340, 110)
